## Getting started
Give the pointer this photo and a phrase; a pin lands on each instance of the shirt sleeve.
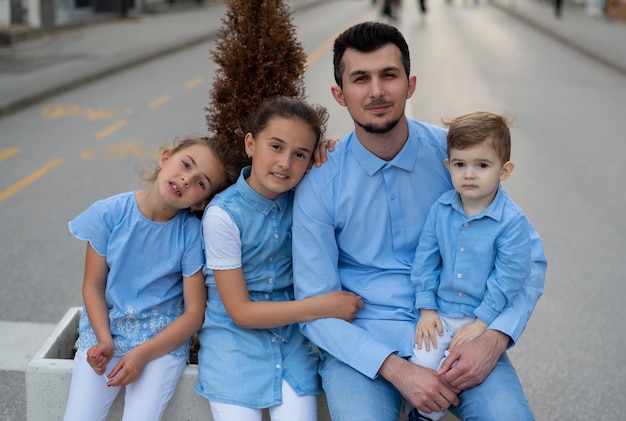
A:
(95, 225)
(222, 238)
(315, 257)
(427, 265)
(514, 318)
(512, 267)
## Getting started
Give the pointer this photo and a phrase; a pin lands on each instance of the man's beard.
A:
(383, 128)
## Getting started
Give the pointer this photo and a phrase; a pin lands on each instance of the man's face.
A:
(375, 88)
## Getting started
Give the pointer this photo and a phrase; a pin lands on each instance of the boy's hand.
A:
(98, 356)
(428, 327)
(468, 332)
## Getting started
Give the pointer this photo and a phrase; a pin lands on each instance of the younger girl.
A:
(143, 287)
(252, 354)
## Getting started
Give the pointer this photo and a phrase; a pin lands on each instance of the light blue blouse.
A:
(471, 266)
(147, 261)
(246, 366)
(357, 222)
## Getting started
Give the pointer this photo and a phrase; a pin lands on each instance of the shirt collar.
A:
(405, 159)
(257, 201)
(495, 210)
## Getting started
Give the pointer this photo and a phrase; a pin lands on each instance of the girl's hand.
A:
(468, 332)
(340, 304)
(98, 356)
(128, 368)
(319, 154)
(428, 327)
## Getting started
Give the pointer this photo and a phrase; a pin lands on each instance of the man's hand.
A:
(470, 363)
(421, 386)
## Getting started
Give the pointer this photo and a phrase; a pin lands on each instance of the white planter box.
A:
(49, 373)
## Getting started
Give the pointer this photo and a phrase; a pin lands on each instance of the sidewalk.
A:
(597, 37)
(32, 71)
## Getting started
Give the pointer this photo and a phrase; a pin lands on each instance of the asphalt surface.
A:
(32, 71)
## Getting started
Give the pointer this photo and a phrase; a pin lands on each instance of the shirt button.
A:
(273, 339)
(462, 249)
(459, 276)
(466, 224)
(460, 294)
(267, 296)
(271, 259)
(278, 366)
(276, 235)
(270, 281)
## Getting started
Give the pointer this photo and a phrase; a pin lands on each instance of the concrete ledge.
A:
(49, 373)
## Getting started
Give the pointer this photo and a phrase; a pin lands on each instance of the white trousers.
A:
(146, 398)
(293, 408)
(435, 356)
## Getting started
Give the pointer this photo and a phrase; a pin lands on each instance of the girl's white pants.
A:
(293, 408)
(146, 398)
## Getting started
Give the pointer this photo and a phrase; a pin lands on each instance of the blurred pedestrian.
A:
(557, 8)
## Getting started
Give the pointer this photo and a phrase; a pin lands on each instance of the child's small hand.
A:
(128, 368)
(319, 154)
(98, 356)
(428, 327)
(468, 332)
(341, 305)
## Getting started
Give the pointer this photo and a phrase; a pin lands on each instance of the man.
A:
(357, 222)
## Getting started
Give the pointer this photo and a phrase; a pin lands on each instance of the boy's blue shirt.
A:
(471, 266)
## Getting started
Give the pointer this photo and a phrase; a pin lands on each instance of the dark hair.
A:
(315, 116)
(221, 150)
(367, 37)
(474, 128)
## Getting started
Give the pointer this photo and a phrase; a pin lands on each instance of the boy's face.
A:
(476, 173)
(281, 154)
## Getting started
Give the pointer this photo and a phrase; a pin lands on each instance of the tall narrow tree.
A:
(258, 55)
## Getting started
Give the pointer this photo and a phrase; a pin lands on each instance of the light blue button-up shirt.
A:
(357, 222)
(471, 266)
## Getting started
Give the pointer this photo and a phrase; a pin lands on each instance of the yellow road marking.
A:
(111, 129)
(8, 153)
(194, 82)
(30, 178)
(159, 101)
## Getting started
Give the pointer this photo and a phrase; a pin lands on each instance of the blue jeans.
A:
(352, 396)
